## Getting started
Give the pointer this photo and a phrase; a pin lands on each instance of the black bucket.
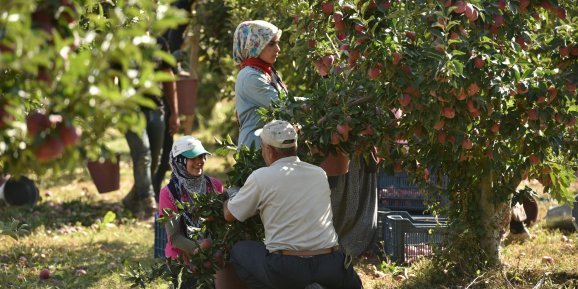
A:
(563, 217)
(20, 192)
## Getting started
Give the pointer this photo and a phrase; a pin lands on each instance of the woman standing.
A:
(255, 50)
(187, 159)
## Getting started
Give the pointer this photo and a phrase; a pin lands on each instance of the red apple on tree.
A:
(353, 56)
(532, 114)
(52, 148)
(410, 35)
(448, 112)
(522, 42)
(406, 69)
(461, 95)
(311, 43)
(327, 8)
(534, 159)
(541, 99)
(386, 4)
(475, 113)
(571, 87)
(335, 139)
(321, 68)
(564, 51)
(471, 106)
(479, 62)
(521, 88)
(374, 72)
(368, 130)
(467, 144)
(524, 5)
(328, 60)
(560, 12)
(68, 134)
(347, 7)
(442, 137)
(460, 7)
(439, 125)
(498, 20)
(405, 100)
(471, 13)
(205, 244)
(37, 122)
(495, 127)
(344, 130)
(473, 89)
(340, 26)
(396, 58)
(338, 16)
(219, 258)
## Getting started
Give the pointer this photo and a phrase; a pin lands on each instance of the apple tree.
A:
(70, 71)
(479, 93)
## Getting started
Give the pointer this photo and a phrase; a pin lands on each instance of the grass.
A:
(87, 240)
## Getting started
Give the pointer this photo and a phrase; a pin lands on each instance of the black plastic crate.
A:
(160, 238)
(412, 200)
(396, 192)
(407, 238)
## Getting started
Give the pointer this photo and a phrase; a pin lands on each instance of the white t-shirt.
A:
(293, 200)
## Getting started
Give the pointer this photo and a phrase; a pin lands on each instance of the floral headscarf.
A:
(251, 37)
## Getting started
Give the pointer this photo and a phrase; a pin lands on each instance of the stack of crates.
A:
(397, 192)
(160, 238)
(406, 238)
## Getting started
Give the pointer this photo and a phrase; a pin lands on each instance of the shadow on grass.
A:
(53, 216)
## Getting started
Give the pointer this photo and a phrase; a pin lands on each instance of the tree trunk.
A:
(494, 218)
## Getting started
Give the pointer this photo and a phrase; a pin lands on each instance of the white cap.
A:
(189, 147)
(279, 134)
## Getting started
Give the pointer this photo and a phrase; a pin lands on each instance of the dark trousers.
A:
(261, 269)
(164, 166)
(145, 150)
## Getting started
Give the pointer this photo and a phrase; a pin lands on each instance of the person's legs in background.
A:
(163, 167)
(145, 151)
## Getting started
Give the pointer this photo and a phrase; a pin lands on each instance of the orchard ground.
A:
(73, 235)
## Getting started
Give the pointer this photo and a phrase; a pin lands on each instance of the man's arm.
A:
(228, 216)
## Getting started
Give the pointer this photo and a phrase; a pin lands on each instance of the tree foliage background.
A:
(480, 93)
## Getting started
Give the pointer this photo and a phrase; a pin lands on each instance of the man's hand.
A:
(227, 214)
(174, 124)
(231, 192)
